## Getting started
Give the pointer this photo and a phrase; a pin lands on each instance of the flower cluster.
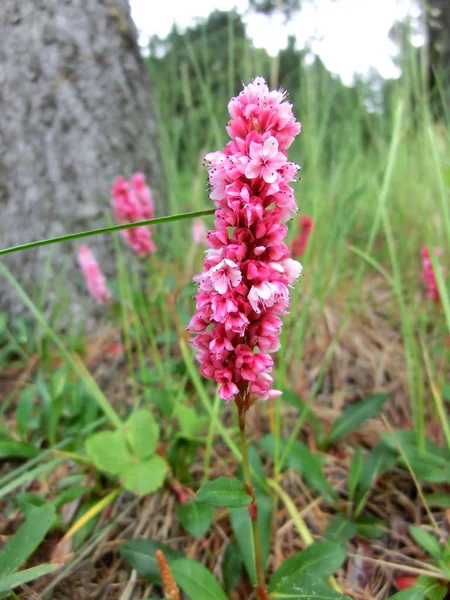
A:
(300, 242)
(428, 274)
(243, 288)
(133, 202)
(95, 280)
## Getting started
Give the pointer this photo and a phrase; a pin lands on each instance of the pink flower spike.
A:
(94, 278)
(133, 202)
(198, 231)
(428, 274)
(243, 288)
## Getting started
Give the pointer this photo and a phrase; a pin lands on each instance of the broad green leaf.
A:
(305, 587)
(27, 538)
(143, 433)
(320, 560)
(242, 529)
(71, 494)
(109, 451)
(428, 542)
(409, 594)
(146, 476)
(196, 518)
(225, 492)
(11, 449)
(141, 556)
(378, 461)
(9, 582)
(353, 416)
(231, 567)
(196, 581)
(431, 588)
(340, 529)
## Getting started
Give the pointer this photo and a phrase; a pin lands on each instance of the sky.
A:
(326, 27)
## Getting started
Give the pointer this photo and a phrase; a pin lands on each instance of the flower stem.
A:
(261, 588)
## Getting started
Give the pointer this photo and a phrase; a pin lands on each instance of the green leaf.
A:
(143, 433)
(82, 234)
(428, 542)
(302, 460)
(10, 449)
(242, 529)
(340, 529)
(409, 594)
(26, 539)
(353, 416)
(438, 499)
(231, 567)
(191, 424)
(371, 527)
(196, 518)
(354, 474)
(225, 492)
(10, 582)
(24, 412)
(109, 451)
(141, 556)
(305, 587)
(196, 581)
(294, 400)
(146, 476)
(431, 588)
(321, 560)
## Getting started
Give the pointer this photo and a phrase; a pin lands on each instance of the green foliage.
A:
(196, 581)
(129, 453)
(320, 560)
(22, 545)
(232, 567)
(340, 529)
(303, 586)
(196, 518)
(302, 460)
(353, 416)
(141, 556)
(431, 588)
(242, 529)
(223, 492)
(428, 542)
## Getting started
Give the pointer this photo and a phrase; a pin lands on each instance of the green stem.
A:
(82, 234)
(261, 588)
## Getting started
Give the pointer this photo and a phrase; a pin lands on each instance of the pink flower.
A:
(265, 160)
(198, 231)
(133, 202)
(247, 271)
(94, 278)
(428, 274)
(300, 242)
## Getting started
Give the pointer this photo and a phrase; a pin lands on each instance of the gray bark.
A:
(75, 111)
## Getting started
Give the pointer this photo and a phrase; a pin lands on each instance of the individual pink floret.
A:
(428, 274)
(133, 202)
(94, 278)
(247, 272)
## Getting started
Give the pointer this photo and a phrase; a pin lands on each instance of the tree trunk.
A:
(75, 112)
